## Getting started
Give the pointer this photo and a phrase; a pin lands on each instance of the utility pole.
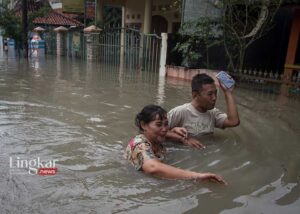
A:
(25, 27)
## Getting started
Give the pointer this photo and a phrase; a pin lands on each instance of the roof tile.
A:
(56, 18)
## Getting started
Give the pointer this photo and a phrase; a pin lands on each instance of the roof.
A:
(57, 19)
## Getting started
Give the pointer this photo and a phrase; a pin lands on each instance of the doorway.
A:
(159, 25)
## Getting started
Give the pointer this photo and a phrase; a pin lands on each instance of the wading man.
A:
(200, 117)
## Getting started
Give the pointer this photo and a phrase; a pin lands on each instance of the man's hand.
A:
(224, 89)
(193, 142)
(232, 119)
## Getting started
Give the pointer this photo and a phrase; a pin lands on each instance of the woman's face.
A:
(156, 130)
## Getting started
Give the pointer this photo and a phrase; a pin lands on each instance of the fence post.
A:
(163, 54)
(141, 50)
(60, 40)
(92, 40)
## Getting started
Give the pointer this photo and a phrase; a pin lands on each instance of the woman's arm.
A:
(156, 168)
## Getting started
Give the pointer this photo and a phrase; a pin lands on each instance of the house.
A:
(148, 16)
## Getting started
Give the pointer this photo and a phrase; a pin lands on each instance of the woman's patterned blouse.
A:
(140, 149)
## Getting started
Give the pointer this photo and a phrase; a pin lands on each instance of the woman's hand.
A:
(210, 177)
(182, 136)
(181, 131)
(156, 168)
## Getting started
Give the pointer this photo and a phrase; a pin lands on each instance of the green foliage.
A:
(11, 22)
(196, 39)
(42, 12)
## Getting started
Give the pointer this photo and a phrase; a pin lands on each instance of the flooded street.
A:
(82, 115)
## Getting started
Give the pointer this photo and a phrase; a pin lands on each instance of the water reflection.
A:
(267, 198)
(82, 115)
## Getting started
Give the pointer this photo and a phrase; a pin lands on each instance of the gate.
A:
(129, 48)
(76, 45)
(117, 46)
(50, 42)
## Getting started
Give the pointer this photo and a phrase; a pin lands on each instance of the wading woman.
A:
(146, 151)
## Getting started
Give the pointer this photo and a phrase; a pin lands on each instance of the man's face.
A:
(207, 96)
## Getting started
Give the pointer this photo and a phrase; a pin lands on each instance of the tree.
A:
(241, 23)
(25, 27)
(244, 22)
(11, 22)
(196, 38)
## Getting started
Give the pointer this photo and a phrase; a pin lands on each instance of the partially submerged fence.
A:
(75, 45)
(270, 81)
(269, 76)
(114, 46)
(50, 42)
(130, 48)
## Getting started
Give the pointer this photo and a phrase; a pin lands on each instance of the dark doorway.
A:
(159, 25)
(112, 16)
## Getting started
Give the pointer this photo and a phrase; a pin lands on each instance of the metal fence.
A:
(76, 45)
(50, 42)
(116, 46)
(130, 48)
(74, 40)
(269, 76)
(273, 82)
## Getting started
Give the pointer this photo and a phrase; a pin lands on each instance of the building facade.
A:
(148, 16)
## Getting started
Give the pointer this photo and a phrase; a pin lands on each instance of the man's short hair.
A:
(199, 80)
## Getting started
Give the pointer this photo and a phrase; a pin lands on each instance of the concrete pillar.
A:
(160, 98)
(61, 40)
(37, 44)
(92, 42)
(39, 31)
(147, 16)
(163, 54)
